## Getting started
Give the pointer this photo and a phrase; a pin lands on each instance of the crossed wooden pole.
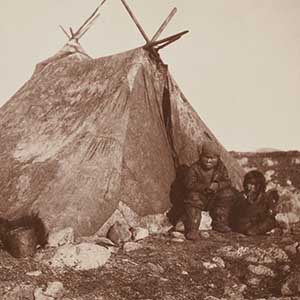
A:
(150, 43)
(87, 24)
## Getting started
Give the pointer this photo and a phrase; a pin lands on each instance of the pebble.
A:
(34, 273)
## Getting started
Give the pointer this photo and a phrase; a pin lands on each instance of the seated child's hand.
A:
(213, 187)
(275, 231)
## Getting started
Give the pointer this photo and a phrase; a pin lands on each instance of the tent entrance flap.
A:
(167, 115)
(166, 105)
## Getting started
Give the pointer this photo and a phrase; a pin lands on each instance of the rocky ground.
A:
(166, 266)
(218, 266)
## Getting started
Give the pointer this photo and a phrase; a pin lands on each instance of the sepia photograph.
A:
(150, 150)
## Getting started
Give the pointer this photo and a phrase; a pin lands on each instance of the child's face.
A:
(252, 189)
(209, 162)
(251, 186)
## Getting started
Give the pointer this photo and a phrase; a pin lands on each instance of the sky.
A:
(238, 65)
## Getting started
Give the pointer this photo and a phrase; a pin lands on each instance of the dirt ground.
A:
(168, 269)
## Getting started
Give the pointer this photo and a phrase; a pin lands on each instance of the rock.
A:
(139, 233)
(156, 224)
(107, 243)
(103, 241)
(235, 292)
(204, 225)
(219, 262)
(205, 234)
(269, 162)
(184, 273)
(179, 227)
(86, 239)
(131, 246)
(177, 240)
(261, 270)
(269, 174)
(255, 255)
(286, 219)
(34, 273)
(243, 161)
(155, 268)
(292, 249)
(211, 298)
(55, 290)
(205, 221)
(209, 265)
(164, 279)
(61, 237)
(95, 239)
(292, 286)
(177, 235)
(84, 256)
(234, 252)
(119, 233)
(20, 292)
(286, 268)
(254, 282)
(285, 290)
(123, 214)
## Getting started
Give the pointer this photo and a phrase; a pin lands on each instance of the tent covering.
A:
(85, 138)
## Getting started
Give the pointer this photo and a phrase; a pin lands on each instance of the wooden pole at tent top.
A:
(85, 26)
(167, 39)
(140, 28)
(168, 43)
(153, 42)
(72, 32)
(89, 19)
(164, 25)
(65, 32)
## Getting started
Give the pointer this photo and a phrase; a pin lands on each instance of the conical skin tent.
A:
(84, 137)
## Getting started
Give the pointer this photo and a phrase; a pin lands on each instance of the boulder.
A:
(84, 256)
